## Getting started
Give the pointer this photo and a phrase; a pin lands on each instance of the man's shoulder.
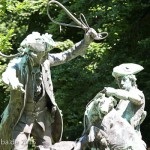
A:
(137, 91)
(16, 60)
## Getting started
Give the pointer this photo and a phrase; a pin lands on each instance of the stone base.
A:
(63, 145)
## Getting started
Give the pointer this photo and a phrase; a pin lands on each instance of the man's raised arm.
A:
(78, 49)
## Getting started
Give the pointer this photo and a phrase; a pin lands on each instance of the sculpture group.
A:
(109, 125)
(112, 118)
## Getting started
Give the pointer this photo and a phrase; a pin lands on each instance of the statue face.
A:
(106, 104)
(125, 83)
(38, 46)
(35, 42)
(38, 57)
(99, 107)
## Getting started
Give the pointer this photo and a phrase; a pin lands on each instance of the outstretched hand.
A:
(90, 35)
(16, 85)
(9, 77)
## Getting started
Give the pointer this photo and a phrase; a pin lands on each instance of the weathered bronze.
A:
(107, 127)
(32, 108)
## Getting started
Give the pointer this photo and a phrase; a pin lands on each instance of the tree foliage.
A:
(77, 82)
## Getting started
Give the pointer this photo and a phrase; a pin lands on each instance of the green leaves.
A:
(5, 44)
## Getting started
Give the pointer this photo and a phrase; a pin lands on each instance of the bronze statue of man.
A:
(132, 100)
(32, 109)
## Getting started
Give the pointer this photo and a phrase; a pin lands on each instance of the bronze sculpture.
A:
(119, 127)
(32, 91)
(37, 113)
(32, 108)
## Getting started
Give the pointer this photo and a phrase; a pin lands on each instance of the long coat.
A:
(18, 70)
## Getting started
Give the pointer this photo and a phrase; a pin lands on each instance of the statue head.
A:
(99, 106)
(37, 46)
(125, 75)
(36, 42)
